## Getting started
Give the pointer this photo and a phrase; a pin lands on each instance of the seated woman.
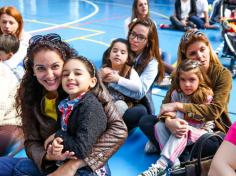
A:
(183, 10)
(143, 42)
(11, 22)
(141, 10)
(201, 19)
(196, 46)
(223, 162)
(37, 98)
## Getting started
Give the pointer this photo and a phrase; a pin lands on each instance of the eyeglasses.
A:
(49, 37)
(140, 37)
(189, 34)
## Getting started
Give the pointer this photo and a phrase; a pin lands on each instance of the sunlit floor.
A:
(90, 26)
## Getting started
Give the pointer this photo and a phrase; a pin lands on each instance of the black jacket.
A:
(86, 124)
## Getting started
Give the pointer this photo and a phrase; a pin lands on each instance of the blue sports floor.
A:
(90, 26)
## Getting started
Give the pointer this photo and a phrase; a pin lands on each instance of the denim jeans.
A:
(26, 167)
(198, 21)
(7, 165)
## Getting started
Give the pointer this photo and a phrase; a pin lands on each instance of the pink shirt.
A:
(231, 135)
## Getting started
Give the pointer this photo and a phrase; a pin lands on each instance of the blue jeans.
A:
(23, 166)
(198, 21)
(7, 165)
(26, 167)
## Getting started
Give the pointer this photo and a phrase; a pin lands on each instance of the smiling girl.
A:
(83, 118)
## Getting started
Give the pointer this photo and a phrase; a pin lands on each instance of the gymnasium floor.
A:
(90, 26)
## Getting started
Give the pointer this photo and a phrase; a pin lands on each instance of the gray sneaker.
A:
(150, 148)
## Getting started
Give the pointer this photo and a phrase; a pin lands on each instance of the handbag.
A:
(196, 165)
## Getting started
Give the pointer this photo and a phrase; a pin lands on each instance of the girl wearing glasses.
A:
(194, 45)
(117, 68)
(37, 99)
(11, 22)
(191, 85)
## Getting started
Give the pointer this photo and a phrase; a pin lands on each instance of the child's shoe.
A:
(154, 170)
(150, 148)
(164, 26)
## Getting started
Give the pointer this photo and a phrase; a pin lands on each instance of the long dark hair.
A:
(31, 91)
(106, 62)
(99, 90)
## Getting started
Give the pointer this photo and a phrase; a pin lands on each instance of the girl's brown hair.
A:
(204, 88)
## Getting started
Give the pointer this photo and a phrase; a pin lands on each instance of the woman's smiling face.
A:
(47, 68)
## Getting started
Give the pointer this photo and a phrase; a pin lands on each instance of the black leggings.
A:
(146, 124)
(133, 115)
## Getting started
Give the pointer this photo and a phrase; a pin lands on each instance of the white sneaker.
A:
(150, 148)
(154, 170)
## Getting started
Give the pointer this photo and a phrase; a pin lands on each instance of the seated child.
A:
(83, 118)
(10, 122)
(117, 61)
(191, 86)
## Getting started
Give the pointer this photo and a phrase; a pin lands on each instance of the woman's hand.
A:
(48, 141)
(184, 21)
(69, 168)
(170, 114)
(178, 127)
(171, 107)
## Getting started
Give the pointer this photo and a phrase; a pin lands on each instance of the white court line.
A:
(70, 23)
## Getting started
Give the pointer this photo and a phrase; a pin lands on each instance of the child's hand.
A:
(48, 141)
(178, 127)
(59, 156)
(112, 76)
(57, 146)
(104, 72)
